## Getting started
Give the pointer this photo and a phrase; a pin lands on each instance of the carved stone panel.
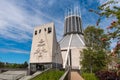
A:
(41, 50)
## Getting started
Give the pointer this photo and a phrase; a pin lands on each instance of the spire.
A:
(73, 23)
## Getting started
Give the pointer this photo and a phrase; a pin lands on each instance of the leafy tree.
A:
(113, 31)
(108, 10)
(13, 65)
(25, 65)
(94, 38)
(94, 56)
(1, 64)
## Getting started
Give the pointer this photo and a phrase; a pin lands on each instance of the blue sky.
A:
(19, 17)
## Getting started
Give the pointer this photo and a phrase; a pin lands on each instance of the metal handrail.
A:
(39, 73)
(65, 75)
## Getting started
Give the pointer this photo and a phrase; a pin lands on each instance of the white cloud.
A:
(12, 19)
(14, 51)
(111, 5)
(102, 1)
(16, 23)
(44, 3)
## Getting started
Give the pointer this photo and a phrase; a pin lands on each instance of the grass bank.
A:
(89, 76)
(49, 75)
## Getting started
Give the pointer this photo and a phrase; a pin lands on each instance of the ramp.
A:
(75, 76)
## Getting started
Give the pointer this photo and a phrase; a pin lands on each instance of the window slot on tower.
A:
(35, 32)
(45, 29)
(40, 31)
(49, 29)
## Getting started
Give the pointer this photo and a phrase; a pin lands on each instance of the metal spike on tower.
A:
(73, 22)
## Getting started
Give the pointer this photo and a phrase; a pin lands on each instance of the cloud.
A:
(15, 50)
(18, 18)
(88, 18)
(111, 5)
(13, 22)
(43, 2)
(17, 21)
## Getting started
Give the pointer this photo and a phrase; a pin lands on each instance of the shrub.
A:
(107, 75)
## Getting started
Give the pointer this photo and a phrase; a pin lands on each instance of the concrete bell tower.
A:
(45, 50)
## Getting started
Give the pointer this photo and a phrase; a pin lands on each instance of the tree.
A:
(95, 38)
(94, 56)
(25, 65)
(113, 31)
(108, 10)
(1, 64)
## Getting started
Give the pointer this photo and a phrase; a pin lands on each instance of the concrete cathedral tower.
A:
(73, 41)
(45, 50)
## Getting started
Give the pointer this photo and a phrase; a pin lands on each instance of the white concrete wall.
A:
(75, 57)
(63, 56)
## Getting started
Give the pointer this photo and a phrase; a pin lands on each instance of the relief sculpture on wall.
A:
(40, 51)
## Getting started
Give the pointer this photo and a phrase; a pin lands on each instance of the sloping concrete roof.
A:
(76, 41)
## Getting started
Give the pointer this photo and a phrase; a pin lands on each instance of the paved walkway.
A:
(75, 76)
(12, 75)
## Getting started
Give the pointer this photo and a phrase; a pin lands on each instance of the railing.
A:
(66, 75)
(34, 75)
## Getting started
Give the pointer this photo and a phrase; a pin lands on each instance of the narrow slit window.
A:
(45, 29)
(49, 30)
(40, 31)
(35, 32)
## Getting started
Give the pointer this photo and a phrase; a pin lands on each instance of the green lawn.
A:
(49, 75)
(89, 76)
